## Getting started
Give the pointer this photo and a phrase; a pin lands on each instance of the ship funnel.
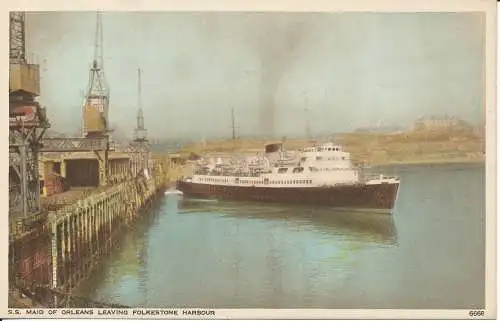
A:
(273, 148)
(272, 152)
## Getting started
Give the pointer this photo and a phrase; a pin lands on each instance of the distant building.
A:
(439, 123)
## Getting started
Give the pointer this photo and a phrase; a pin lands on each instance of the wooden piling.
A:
(90, 227)
(78, 234)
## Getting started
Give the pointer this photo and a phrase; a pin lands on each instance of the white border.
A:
(487, 6)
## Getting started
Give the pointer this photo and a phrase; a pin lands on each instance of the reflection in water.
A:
(342, 233)
(127, 266)
(250, 255)
(361, 226)
(190, 253)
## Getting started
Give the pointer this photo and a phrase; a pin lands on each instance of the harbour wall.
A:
(58, 247)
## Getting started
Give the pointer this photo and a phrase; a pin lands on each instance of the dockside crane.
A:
(27, 124)
(96, 105)
(140, 143)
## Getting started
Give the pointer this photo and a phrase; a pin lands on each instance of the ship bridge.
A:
(326, 147)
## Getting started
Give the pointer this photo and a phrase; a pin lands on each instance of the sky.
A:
(349, 70)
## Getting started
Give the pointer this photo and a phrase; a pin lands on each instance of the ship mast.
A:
(306, 110)
(233, 124)
(234, 127)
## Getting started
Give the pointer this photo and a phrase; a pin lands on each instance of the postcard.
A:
(256, 160)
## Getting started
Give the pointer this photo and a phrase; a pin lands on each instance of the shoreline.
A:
(424, 161)
(462, 161)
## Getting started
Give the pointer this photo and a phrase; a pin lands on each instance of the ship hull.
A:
(379, 198)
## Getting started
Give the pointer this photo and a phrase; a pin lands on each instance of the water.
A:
(429, 254)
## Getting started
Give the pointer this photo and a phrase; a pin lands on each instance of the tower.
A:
(140, 143)
(96, 105)
(27, 124)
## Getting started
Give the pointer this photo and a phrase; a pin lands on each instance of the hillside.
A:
(378, 148)
(414, 147)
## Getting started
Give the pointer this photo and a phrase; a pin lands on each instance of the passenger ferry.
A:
(317, 175)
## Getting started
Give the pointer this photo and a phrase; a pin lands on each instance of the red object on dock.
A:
(54, 184)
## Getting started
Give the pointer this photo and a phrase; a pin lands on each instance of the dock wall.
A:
(58, 248)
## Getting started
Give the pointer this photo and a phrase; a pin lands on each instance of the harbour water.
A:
(194, 253)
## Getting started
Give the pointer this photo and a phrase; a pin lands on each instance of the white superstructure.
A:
(319, 165)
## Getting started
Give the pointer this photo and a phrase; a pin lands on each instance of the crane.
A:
(17, 51)
(96, 106)
(27, 123)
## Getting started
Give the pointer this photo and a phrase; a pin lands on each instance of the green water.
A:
(429, 254)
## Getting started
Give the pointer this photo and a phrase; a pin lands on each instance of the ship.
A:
(319, 174)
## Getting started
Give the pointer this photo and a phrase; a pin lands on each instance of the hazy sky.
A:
(350, 69)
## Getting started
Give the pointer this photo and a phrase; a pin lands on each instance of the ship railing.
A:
(379, 176)
(233, 174)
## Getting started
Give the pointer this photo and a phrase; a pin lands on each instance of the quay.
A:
(70, 198)
(57, 246)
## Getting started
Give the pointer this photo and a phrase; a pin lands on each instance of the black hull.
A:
(377, 198)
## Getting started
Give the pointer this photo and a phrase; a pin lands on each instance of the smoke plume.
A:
(277, 40)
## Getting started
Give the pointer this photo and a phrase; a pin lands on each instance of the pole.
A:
(24, 179)
(308, 126)
(233, 124)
